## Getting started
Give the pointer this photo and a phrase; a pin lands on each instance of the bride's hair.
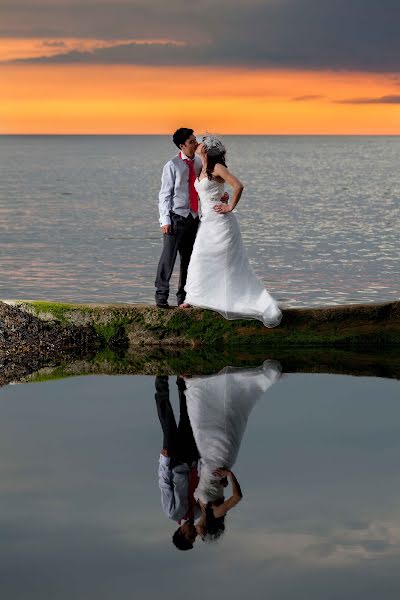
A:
(215, 151)
(215, 526)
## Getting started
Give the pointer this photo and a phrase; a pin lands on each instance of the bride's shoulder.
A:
(223, 172)
(219, 172)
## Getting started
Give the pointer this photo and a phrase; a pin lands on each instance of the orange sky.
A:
(131, 99)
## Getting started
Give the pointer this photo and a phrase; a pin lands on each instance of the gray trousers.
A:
(181, 239)
(178, 439)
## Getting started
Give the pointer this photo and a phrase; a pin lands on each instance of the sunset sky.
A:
(229, 66)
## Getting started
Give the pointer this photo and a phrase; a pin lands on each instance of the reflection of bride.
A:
(218, 407)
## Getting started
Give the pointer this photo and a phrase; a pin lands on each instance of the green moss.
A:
(49, 375)
(106, 331)
(215, 331)
(206, 327)
(57, 309)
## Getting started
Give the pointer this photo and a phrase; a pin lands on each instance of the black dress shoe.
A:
(162, 305)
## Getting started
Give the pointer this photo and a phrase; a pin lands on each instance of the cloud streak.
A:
(140, 52)
(382, 100)
(68, 50)
(308, 98)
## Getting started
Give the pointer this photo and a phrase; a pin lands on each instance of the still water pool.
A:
(317, 458)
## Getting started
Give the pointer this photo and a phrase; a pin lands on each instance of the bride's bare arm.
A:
(222, 509)
(237, 185)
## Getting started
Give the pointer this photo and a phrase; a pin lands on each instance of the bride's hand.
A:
(222, 208)
(221, 473)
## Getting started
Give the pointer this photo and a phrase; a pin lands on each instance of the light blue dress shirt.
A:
(174, 192)
(174, 488)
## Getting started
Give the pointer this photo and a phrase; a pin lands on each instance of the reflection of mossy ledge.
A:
(142, 325)
(157, 361)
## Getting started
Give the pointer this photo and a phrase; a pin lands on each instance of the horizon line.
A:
(221, 134)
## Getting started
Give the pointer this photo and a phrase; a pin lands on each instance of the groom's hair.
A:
(181, 135)
(179, 540)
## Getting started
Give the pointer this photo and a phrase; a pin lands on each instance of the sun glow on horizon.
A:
(106, 99)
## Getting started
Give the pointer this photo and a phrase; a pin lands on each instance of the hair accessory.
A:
(213, 145)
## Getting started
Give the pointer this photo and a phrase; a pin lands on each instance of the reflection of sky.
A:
(80, 513)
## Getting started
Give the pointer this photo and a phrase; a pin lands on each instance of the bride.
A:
(220, 277)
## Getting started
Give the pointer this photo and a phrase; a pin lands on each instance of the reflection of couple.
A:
(214, 270)
(213, 415)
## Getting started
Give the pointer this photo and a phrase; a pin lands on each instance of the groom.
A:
(179, 219)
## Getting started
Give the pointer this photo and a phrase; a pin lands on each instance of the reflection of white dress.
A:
(218, 407)
(220, 277)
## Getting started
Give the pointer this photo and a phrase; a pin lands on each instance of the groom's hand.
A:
(166, 229)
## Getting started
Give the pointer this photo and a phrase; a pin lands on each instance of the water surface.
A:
(320, 216)
(80, 507)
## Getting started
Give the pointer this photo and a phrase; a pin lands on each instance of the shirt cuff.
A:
(165, 460)
(165, 220)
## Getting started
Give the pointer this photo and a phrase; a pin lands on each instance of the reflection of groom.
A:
(177, 471)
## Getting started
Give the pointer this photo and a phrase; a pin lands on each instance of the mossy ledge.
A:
(136, 325)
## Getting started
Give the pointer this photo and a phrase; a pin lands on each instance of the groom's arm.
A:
(166, 194)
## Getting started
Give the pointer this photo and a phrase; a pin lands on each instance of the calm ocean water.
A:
(320, 216)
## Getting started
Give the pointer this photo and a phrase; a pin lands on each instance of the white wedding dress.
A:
(218, 408)
(220, 277)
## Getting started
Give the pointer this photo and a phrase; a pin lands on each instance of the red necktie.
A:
(193, 196)
(193, 483)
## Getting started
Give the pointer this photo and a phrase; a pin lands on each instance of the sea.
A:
(320, 216)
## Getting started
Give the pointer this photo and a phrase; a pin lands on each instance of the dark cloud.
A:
(381, 100)
(309, 34)
(101, 19)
